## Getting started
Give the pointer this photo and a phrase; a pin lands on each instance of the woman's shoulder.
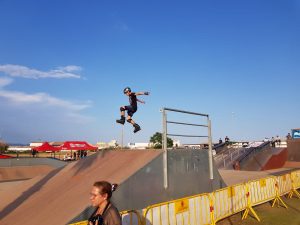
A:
(112, 209)
(112, 216)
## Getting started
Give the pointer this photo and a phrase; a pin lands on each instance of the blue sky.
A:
(64, 65)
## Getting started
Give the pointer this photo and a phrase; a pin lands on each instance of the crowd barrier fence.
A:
(209, 208)
(131, 217)
(185, 211)
(228, 201)
(295, 176)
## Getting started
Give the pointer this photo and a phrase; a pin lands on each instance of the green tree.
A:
(3, 147)
(156, 139)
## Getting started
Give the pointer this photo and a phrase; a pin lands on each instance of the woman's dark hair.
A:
(106, 188)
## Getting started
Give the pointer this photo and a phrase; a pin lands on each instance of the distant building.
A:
(36, 144)
(19, 148)
(176, 144)
(138, 145)
(111, 144)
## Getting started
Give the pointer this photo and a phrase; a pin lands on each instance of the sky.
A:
(64, 65)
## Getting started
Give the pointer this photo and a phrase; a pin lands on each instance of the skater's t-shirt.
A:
(132, 100)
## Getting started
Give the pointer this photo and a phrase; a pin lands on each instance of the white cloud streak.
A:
(25, 72)
(41, 98)
(4, 81)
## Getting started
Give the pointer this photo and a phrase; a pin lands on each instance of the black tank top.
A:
(98, 217)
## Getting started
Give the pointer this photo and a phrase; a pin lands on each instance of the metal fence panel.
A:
(194, 210)
(284, 184)
(262, 190)
(229, 201)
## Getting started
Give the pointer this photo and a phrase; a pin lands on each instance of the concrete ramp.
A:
(62, 196)
(22, 172)
(64, 193)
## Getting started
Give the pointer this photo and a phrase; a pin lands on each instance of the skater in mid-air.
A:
(132, 108)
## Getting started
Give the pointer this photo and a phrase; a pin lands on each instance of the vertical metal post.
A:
(164, 146)
(122, 137)
(210, 162)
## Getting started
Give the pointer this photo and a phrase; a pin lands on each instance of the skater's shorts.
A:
(130, 110)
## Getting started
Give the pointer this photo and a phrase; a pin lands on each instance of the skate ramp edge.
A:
(277, 160)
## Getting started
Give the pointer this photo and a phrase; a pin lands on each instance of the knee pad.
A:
(129, 120)
(122, 108)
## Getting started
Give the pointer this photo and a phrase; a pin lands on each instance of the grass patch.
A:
(269, 215)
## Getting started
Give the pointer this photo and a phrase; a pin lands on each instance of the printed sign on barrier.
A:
(181, 206)
(231, 192)
(262, 182)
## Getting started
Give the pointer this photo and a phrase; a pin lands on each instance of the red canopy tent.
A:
(77, 146)
(46, 147)
(5, 156)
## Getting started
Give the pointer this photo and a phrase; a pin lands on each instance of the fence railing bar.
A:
(187, 112)
(182, 135)
(191, 124)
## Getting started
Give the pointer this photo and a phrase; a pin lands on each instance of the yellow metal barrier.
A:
(295, 176)
(84, 222)
(249, 206)
(194, 210)
(262, 190)
(131, 217)
(280, 187)
(284, 184)
(207, 209)
(228, 201)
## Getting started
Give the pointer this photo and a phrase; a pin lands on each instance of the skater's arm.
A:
(140, 101)
(142, 93)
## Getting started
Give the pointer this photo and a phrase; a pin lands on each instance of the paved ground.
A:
(269, 215)
(232, 177)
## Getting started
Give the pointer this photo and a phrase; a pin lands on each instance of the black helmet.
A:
(127, 89)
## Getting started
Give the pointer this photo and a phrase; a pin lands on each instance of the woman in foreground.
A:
(105, 213)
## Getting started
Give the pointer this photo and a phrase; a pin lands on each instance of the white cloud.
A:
(71, 68)
(42, 99)
(25, 72)
(4, 81)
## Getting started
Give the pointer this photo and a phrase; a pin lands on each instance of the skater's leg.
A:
(130, 120)
(122, 110)
(134, 124)
(122, 120)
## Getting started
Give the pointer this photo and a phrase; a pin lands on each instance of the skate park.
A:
(149, 178)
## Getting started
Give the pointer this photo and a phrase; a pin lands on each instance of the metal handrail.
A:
(182, 111)
(183, 135)
(190, 124)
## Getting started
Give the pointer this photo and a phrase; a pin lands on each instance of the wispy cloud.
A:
(25, 72)
(42, 99)
(4, 81)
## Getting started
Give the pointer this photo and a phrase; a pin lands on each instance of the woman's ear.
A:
(105, 196)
